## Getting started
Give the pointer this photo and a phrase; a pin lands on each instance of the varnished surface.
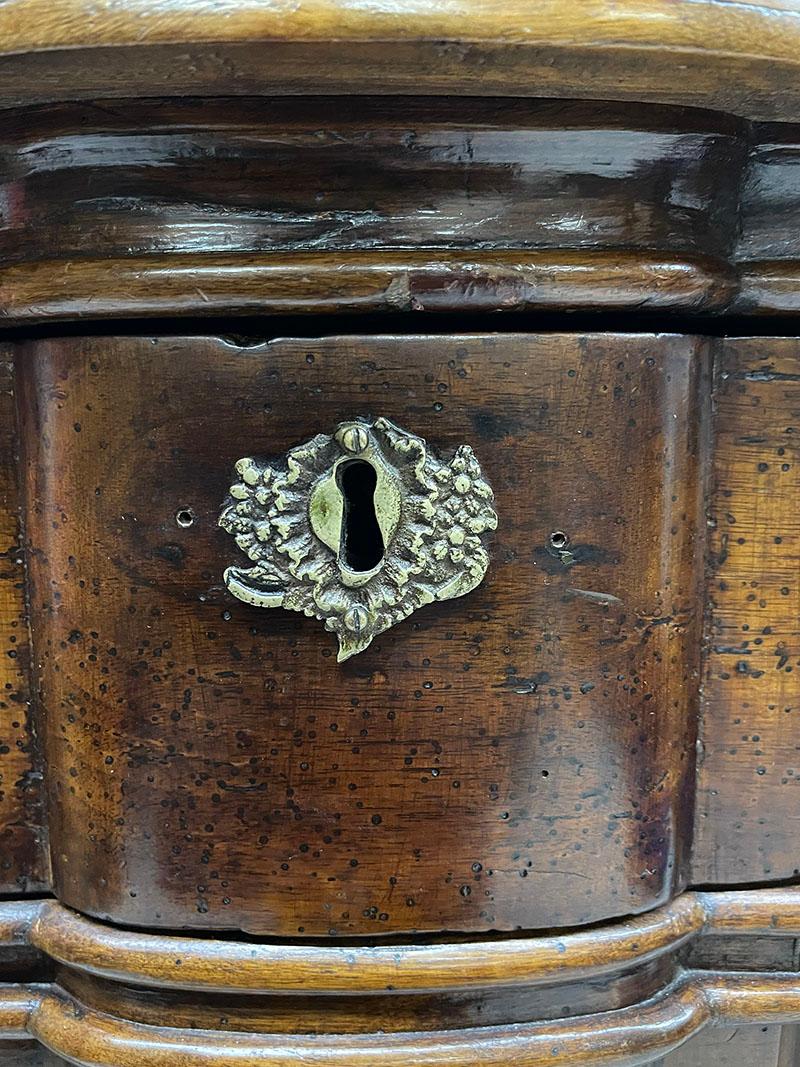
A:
(645, 1013)
(290, 283)
(739, 57)
(627, 1037)
(401, 1014)
(748, 775)
(768, 919)
(336, 174)
(23, 866)
(216, 207)
(230, 966)
(173, 208)
(32, 25)
(523, 758)
(768, 248)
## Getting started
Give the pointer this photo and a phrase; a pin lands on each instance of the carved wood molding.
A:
(623, 1038)
(225, 208)
(740, 57)
(268, 967)
(295, 283)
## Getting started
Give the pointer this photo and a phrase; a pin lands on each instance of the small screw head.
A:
(354, 439)
(356, 619)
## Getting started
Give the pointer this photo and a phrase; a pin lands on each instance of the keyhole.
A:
(361, 545)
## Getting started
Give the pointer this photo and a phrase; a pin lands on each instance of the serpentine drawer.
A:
(400, 577)
(520, 757)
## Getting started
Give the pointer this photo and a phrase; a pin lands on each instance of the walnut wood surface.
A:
(646, 1011)
(218, 207)
(735, 57)
(477, 768)
(748, 774)
(346, 282)
(521, 760)
(742, 918)
(23, 862)
(627, 1037)
(221, 206)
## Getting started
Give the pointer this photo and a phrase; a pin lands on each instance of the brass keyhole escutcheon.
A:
(359, 528)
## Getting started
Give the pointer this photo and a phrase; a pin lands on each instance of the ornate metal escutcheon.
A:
(359, 528)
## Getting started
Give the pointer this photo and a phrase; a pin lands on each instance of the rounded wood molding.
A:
(770, 30)
(297, 283)
(740, 57)
(230, 966)
(626, 1037)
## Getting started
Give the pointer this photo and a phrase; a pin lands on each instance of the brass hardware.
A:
(359, 529)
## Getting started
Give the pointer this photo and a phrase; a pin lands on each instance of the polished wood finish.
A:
(524, 205)
(118, 1022)
(472, 843)
(627, 1037)
(740, 58)
(149, 959)
(347, 283)
(234, 208)
(376, 785)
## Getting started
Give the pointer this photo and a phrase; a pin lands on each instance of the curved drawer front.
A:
(518, 757)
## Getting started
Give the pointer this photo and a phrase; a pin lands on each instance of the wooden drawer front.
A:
(520, 757)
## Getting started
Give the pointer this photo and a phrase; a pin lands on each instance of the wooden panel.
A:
(742, 930)
(523, 757)
(739, 57)
(749, 775)
(413, 281)
(167, 208)
(23, 864)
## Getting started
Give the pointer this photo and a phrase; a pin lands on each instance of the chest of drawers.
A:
(400, 577)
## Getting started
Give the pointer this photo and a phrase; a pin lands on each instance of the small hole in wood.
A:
(558, 539)
(184, 517)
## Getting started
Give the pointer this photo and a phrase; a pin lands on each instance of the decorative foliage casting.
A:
(293, 518)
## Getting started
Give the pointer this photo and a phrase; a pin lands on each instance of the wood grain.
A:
(629, 1037)
(228, 966)
(521, 759)
(173, 208)
(184, 207)
(740, 58)
(463, 1018)
(299, 284)
(23, 862)
(746, 815)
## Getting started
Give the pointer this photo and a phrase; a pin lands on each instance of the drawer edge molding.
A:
(739, 57)
(625, 1037)
(400, 282)
(229, 966)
